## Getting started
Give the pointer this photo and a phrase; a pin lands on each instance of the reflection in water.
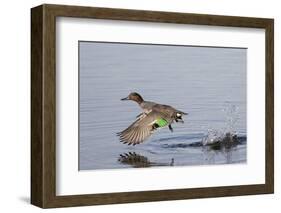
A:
(139, 161)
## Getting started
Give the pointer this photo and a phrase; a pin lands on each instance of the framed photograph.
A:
(136, 106)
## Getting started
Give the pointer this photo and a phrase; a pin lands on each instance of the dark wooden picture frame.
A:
(43, 105)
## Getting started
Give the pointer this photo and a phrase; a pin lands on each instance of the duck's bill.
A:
(125, 99)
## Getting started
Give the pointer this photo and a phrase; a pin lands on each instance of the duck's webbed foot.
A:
(171, 128)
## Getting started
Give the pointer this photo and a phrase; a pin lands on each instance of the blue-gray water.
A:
(208, 83)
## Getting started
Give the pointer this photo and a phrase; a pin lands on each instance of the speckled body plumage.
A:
(153, 117)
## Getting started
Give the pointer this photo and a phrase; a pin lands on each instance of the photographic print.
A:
(154, 105)
(153, 99)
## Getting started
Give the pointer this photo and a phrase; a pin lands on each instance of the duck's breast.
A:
(147, 106)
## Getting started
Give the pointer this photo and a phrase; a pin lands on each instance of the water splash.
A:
(231, 114)
(226, 135)
(223, 142)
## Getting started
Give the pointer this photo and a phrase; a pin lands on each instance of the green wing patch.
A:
(161, 122)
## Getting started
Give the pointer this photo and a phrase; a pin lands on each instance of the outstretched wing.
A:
(143, 127)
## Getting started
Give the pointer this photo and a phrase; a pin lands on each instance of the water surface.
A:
(208, 83)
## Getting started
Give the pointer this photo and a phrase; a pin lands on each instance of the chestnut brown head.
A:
(133, 97)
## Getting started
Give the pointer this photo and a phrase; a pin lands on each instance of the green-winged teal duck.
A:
(153, 117)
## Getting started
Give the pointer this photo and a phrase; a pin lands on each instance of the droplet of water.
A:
(212, 136)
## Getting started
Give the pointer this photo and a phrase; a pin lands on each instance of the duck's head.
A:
(178, 116)
(133, 97)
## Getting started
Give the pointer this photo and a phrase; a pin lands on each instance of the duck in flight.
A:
(153, 117)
